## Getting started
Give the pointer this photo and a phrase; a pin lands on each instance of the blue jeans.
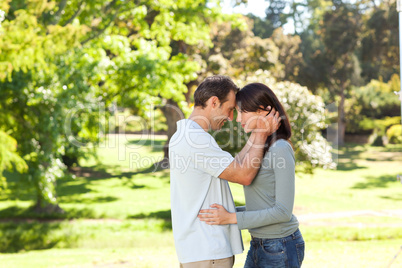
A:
(276, 253)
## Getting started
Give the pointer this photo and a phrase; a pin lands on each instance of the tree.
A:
(66, 61)
(45, 75)
(379, 51)
(290, 55)
(340, 35)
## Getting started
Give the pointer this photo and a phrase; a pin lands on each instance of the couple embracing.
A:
(206, 224)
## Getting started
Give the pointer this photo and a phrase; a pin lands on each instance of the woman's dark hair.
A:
(217, 85)
(256, 95)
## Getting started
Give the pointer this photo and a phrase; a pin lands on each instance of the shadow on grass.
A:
(86, 200)
(348, 155)
(15, 213)
(397, 197)
(348, 165)
(17, 237)
(376, 182)
(164, 215)
(94, 172)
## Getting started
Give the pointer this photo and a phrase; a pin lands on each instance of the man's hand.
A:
(268, 122)
(217, 216)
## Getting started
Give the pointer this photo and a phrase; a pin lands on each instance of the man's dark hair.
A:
(217, 85)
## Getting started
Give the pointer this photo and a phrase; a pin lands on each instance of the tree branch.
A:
(57, 16)
(109, 6)
(77, 12)
(100, 31)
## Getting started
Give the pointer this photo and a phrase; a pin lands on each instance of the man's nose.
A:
(230, 116)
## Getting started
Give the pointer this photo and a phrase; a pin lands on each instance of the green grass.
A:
(318, 254)
(118, 212)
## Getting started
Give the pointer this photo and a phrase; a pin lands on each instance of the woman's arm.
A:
(284, 192)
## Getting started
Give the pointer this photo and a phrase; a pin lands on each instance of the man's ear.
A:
(214, 101)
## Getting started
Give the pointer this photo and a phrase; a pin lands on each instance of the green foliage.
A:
(379, 45)
(373, 107)
(9, 159)
(377, 98)
(394, 134)
(262, 27)
(34, 236)
(290, 55)
(381, 125)
(377, 128)
(39, 83)
(62, 63)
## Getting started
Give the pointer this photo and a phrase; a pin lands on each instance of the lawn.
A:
(118, 212)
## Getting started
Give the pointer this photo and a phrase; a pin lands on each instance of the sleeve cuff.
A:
(240, 220)
(241, 208)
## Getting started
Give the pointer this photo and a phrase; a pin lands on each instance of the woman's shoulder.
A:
(281, 145)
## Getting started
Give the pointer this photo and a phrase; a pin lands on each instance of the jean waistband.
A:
(293, 236)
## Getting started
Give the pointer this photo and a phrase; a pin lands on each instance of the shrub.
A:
(378, 128)
(376, 100)
(394, 134)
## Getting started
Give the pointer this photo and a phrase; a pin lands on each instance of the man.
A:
(200, 171)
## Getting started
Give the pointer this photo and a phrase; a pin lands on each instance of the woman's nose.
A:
(238, 118)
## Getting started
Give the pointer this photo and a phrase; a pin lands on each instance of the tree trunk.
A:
(189, 92)
(341, 118)
(43, 207)
(173, 113)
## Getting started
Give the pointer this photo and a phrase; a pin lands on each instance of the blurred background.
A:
(90, 92)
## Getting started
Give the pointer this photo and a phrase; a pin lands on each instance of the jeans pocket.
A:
(273, 247)
(300, 252)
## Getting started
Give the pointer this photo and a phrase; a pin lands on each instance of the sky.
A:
(256, 7)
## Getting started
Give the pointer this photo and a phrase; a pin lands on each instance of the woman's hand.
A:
(217, 216)
(268, 121)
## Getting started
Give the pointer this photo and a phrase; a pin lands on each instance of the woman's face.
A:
(248, 120)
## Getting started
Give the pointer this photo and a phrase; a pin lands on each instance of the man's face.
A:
(223, 112)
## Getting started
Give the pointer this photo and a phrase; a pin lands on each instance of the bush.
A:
(394, 134)
(366, 104)
(377, 99)
(379, 128)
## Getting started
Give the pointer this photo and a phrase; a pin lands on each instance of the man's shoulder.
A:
(191, 139)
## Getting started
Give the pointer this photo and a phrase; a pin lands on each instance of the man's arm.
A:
(247, 163)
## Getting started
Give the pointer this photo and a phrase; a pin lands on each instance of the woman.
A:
(276, 240)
